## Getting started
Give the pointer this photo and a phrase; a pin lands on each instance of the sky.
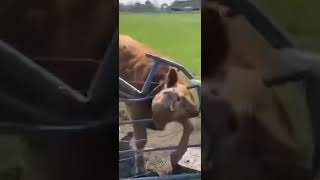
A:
(157, 2)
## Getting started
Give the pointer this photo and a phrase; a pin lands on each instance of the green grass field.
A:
(175, 35)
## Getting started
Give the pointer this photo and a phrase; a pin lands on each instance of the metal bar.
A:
(21, 127)
(130, 157)
(35, 79)
(167, 148)
(140, 82)
(125, 95)
(57, 58)
(125, 86)
(196, 176)
(196, 84)
(24, 118)
(260, 22)
(148, 84)
(171, 63)
(193, 86)
(102, 90)
(135, 100)
(135, 121)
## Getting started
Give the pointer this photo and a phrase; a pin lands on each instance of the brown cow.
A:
(173, 102)
(249, 132)
(51, 32)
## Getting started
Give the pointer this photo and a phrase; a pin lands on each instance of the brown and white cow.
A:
(251, 131)
(173, 101)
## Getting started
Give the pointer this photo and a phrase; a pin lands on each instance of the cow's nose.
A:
(172, 96)
(175, 96)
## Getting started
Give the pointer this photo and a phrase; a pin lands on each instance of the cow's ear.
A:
(172, 78)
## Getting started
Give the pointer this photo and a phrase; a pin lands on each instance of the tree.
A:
(148, 3)
(164, 6)
(138, 4)
(122, 7)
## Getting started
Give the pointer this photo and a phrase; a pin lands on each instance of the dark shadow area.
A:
(184, 170)
(59, 89)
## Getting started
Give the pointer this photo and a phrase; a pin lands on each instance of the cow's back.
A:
(134, 65)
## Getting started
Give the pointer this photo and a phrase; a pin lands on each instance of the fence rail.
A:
(196, 176)
(134, 121)
(166, 148)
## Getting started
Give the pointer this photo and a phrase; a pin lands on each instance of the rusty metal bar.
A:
(171, 63)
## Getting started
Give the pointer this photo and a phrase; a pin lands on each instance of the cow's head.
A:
(173, 103)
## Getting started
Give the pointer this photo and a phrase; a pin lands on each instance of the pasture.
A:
(175, 35)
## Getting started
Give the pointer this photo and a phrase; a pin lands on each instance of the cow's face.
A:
(173, 103)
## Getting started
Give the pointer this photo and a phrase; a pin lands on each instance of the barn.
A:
(186, 5)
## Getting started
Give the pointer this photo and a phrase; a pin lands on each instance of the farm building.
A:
(186, 5)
